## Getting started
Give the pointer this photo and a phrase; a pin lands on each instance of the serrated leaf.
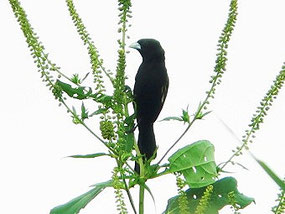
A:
(78, 203)
(219, 197)
(78, 93)
(89, 155)
(196, 162)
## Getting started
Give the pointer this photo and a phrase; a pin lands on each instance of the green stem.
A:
(129, 195)
(238, 151)
(127, 189)
(281, 203)
(141, 200)
(140, 160)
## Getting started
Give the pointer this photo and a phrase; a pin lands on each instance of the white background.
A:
(36, 134)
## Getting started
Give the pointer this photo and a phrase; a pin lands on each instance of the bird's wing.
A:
(164, 90)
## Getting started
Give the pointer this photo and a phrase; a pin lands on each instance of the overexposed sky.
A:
(36, 134)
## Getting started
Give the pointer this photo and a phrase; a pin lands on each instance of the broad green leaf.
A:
(218, 199)
(196, 162)
(78, 203)
(89, 155)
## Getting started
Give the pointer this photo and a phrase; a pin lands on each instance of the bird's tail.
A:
(146, 141)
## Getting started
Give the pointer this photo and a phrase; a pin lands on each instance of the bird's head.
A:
(150, 49)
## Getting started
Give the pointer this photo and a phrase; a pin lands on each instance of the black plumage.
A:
(150, 90)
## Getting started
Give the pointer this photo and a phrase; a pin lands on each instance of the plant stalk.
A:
(141, 200)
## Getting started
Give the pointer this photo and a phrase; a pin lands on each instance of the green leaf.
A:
(97, 112)
(130, 127)
(89, 155)
(185, 115)
(75, 118)
(201, 115)
(272, 174)
(86, 75)
(172, 118)
(130, 140)
(78, 203)
(84, 112)
(196, 162)
(75, 79)
(218, 199)
(78, 93)
(150, 193)
(104, 98)
(129, 121)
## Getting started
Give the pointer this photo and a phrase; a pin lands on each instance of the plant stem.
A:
(238, 151)
(141, 200)
(126, 188)
(129, 196)
(140, 160)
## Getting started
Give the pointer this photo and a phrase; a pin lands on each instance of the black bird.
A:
(150, 90)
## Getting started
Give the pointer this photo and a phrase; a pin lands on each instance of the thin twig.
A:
(127, 188)
(129, 195)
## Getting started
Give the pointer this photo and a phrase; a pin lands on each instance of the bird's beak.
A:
(136, 46)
